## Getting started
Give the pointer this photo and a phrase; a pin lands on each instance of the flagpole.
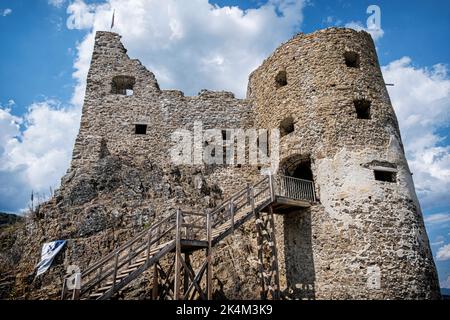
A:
(112, 23)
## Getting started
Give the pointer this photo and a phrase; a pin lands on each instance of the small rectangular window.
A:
(385, 176)
(363, 109)
(123, 85)
(281, 79)
(141, 129)
(352, 59)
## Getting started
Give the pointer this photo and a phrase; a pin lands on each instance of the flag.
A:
(49, 251)
(112, 23)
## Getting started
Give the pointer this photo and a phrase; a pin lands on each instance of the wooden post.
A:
(149, 243)
(178, 258)
(209, 258)
(272, 188)
(276, 294)
(155, 282)
(314, 192)
(63, 291)
(232, 214)
(100, 270)
(260, 255)
(187, 260)
(252, 199)
(116, 262)
(130, 254)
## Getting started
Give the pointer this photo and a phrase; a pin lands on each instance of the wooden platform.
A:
(188, 246)
(284, 205)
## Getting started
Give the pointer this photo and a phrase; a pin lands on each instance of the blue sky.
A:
(46, 46)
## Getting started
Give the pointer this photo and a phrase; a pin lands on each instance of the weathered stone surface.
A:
(365, 239)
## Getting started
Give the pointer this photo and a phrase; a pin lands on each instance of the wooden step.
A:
(95, 295)
(128, 270)
(103, 289)
(140, 260)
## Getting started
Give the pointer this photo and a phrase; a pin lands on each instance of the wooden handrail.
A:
(125, 246)
(267, 188)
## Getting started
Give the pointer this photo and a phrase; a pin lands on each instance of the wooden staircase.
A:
(168, 244)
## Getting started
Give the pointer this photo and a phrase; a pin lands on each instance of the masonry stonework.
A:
(364, 239)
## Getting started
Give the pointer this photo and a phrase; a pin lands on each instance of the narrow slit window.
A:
(385, 176)
(123, 85)
(352, 59)
(281, 79)
(363, 109)
(224, 135)
(225, 146)
(141, 129)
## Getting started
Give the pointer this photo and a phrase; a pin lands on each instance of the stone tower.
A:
(364, 238)
(367, 237)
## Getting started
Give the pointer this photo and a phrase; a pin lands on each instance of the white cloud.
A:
(437, 218)
(438, 241)
(446, 283)
(37, 157)
(375, 32)
(189, 45)
(56, 3)
(421, 99)
(9, 127)
(6, 12)
(81, 15)
(443, 253)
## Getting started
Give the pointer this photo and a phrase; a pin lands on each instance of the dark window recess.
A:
(352, 59)
(303, 171)
(385, 176)
(286, 126)
(123, 85)
(363, 109)
(224, 135)
(281, 79)
(141, 129)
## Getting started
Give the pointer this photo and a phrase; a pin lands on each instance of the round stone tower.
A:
(365, 238)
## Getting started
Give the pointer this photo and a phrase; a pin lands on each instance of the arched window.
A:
(281, 79)
(352, 59)
(123, 85)
(287, 126)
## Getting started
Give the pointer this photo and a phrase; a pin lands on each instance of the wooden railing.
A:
(247, 197)
(294, 188)
(192, 226)
(106, 269)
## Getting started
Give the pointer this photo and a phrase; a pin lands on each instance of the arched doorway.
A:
(297, 235)
(297, 166)
(303, 170)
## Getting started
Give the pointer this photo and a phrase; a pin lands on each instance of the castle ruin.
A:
(360, 236)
